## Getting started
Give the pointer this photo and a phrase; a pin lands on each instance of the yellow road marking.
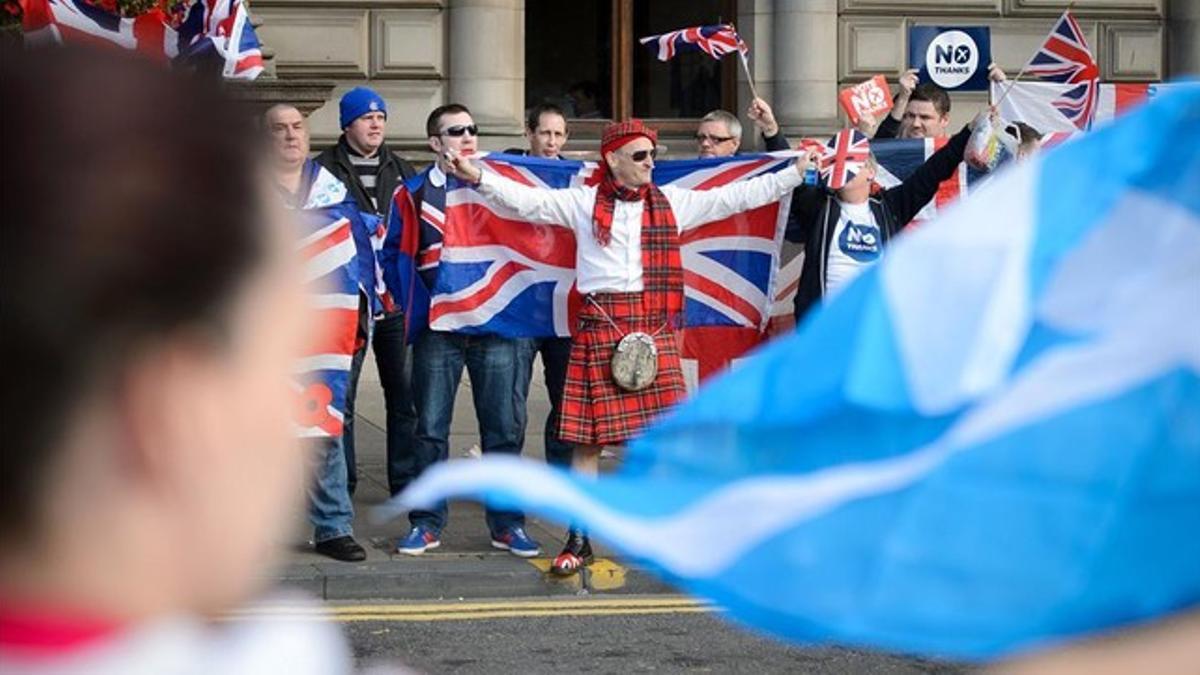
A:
(603, 574)
(498, 609)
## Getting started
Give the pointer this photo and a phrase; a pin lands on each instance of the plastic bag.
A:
(984, 146)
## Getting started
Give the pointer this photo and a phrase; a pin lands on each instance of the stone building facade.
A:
(421, 53)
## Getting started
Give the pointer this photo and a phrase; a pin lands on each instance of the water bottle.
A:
(811, 176)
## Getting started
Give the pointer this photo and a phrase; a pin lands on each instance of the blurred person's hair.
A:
(433, 123)
(928, 91)
(1024, 133)
(535, 115)
(731, 121)
(132, 211)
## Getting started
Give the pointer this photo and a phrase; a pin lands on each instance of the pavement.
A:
(465, 566)
(468, 608)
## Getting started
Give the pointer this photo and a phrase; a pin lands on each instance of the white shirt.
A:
(617, 267)
(856, 244)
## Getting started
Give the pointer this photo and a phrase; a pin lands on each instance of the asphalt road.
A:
(609, 635)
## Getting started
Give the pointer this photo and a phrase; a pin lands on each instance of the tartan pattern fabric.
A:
(662, 265)
(594, 410)
(617, 134)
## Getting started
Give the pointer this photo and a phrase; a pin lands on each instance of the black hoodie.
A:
(815, 213)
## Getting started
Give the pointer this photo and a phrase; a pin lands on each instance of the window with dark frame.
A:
(585, 57)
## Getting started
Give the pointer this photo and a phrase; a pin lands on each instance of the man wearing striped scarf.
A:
(629, 270)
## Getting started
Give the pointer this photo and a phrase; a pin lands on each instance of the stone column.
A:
(487, 65)
(754, 26)
(805, 53)
(1183, 38)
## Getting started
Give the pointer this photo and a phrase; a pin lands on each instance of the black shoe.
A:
(576, 554)
(342, 548)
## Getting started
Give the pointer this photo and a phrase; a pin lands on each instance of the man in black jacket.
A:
(361, 158)
(371, 172)
(844, 227)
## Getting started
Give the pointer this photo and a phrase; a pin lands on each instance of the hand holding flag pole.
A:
(1066, 16)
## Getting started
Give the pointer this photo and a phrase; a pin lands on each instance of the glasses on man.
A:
(641, 155)
(461, 129)
(715, 140)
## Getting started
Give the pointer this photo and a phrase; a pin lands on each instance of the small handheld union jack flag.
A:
(1064, 58)
(716, 41)
(844, 156)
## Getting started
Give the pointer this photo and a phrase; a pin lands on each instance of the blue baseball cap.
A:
(358, 102)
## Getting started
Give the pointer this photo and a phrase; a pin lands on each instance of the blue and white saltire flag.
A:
(989, 443)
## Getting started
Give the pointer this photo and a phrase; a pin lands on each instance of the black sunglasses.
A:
(460, 129)
(641, 155)
(700, 138)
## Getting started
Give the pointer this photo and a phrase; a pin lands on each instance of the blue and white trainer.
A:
(515, 541)
(419, 540)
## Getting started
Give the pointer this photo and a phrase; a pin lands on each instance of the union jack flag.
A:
(1065, 58)
(500, 275)
(322, 377)
(716, 41)
(844, 156)
(208, 27)
(343, 280)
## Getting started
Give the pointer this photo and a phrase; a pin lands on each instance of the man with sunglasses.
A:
(720, 132)
(629, 269)
(439, 357)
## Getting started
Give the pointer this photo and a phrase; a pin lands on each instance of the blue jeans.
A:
(395, 375)
(556, 352)
(329, 506)
(491, 362)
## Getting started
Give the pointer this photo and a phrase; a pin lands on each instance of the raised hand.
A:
(763, 117)
(454, 164)
(867, 123)
(810, 158)
(908, 82)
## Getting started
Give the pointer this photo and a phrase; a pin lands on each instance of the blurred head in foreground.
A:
(151, 313)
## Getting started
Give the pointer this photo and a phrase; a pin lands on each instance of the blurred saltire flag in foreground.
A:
(989, 443)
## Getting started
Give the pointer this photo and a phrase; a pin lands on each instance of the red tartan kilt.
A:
(595, 411)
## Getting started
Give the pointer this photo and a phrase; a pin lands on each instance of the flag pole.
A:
(745, 63)
(749, 77)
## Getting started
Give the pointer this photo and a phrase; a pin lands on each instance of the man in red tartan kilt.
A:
(628, 269)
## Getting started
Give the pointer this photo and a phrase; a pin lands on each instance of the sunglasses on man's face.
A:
(460, 129)
(641, 155)
(715, 140)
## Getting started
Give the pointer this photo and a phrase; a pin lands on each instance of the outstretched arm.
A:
(536, 205)
(909, 197)
(693, 208)
(889, 127)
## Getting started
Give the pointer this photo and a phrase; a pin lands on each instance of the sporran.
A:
(634, 362)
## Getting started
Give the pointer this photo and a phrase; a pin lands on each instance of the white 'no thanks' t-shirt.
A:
(857, 243)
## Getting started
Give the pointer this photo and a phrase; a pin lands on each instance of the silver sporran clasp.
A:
(635, 361)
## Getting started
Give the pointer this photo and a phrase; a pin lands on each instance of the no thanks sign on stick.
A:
(952, 57)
